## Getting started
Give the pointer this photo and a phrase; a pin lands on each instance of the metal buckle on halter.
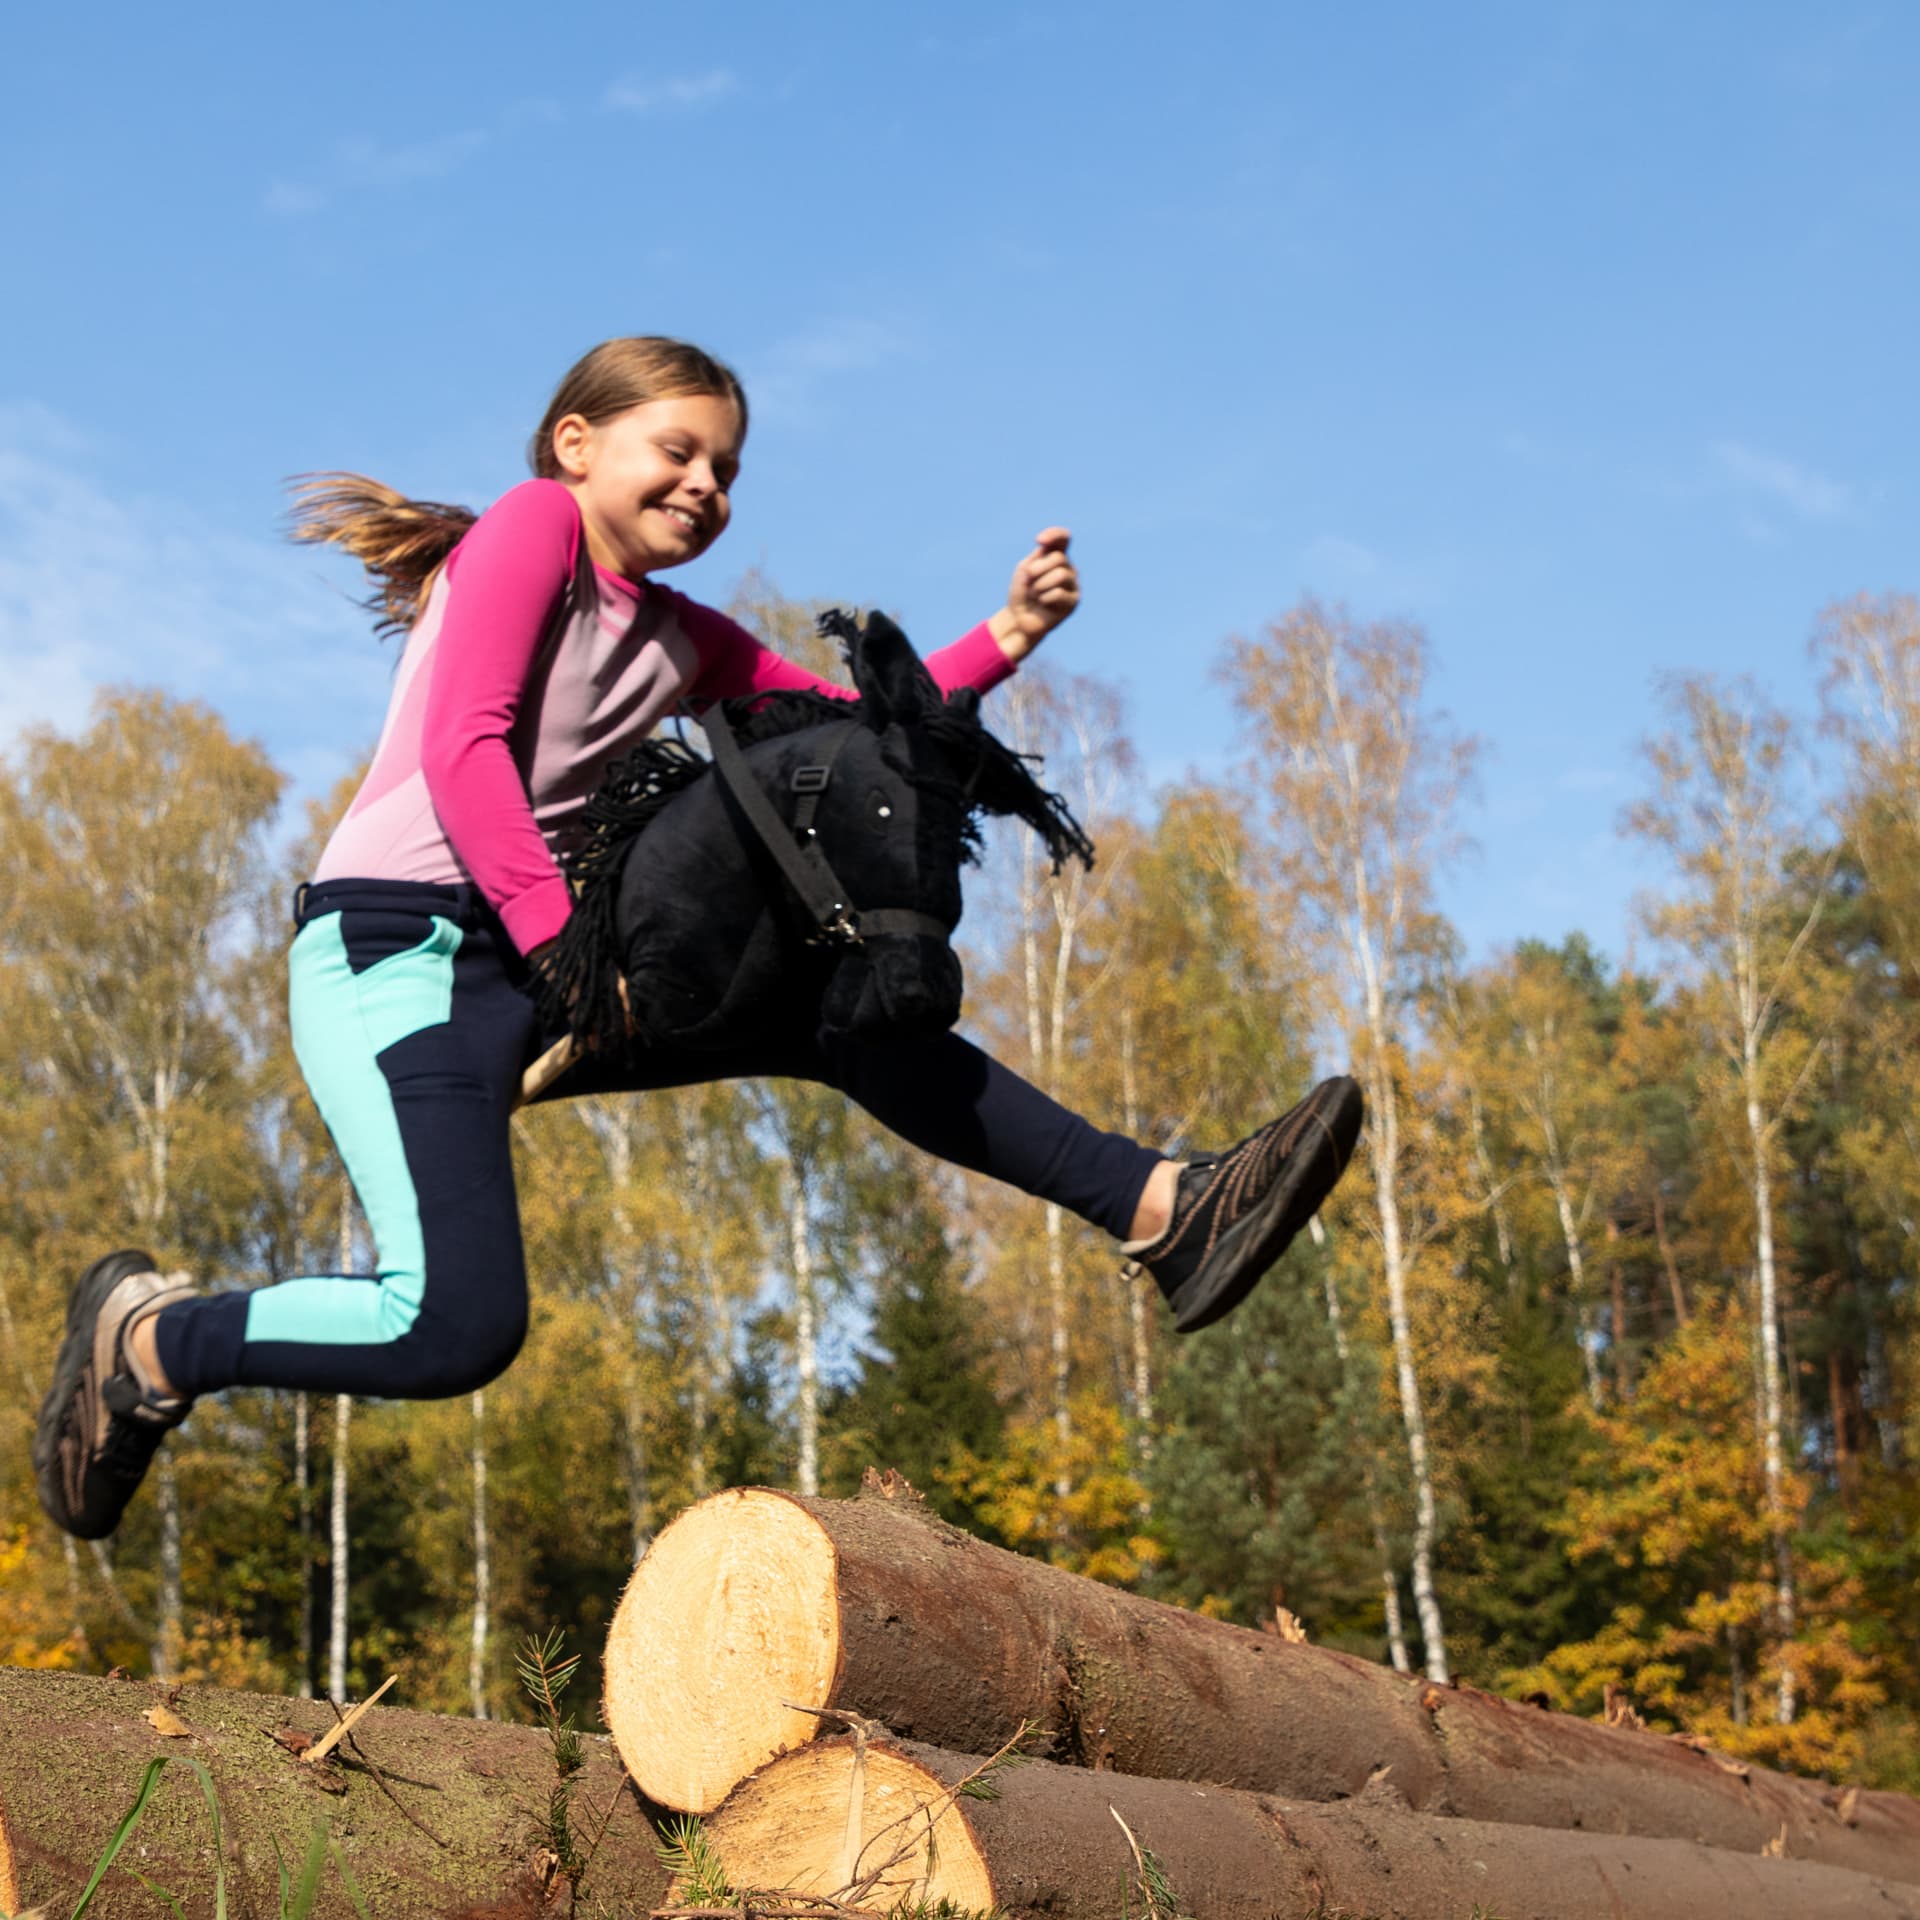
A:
(811, 779)
(843, 930)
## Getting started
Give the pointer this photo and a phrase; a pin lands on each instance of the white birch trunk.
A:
(1772, 1420)
(1490, 1186)
(1383, 1123)
(1576, 1254)
(1139, 1333)
(337, 1622)
(806, 1336)
(633, 1450)
(1141, 1340)
(1426, 1598)
(303, 1493)
(168, 1634)
(1039, 1065)
(482, 1563)
(1389, 1580)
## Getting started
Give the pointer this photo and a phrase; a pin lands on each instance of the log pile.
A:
(818, 1679)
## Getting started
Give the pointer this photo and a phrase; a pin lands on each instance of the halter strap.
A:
(808, 872)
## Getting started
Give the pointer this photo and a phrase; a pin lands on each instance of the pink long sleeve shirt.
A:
(505, 714)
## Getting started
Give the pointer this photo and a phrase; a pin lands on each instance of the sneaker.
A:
(1234, 1213)
(99, 1425)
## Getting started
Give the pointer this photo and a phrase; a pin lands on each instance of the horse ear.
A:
(892, 682)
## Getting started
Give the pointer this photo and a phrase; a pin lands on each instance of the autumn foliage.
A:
(1598, 1383)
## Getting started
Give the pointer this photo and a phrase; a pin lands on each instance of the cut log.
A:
(1050, 1844)
(756, 1603)
(457, 1826)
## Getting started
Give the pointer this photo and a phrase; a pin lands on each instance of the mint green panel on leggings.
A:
(342, 1021)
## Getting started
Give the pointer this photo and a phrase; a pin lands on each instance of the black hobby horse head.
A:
(679, 891)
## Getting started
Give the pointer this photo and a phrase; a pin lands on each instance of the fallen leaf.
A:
(164, 1721)
(1849, 1807)
(1287, 1625)
(293, 1739)
(1776, 1848)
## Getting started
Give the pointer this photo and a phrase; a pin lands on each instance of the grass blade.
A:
(308, 1891)
(353, 1892)
(159, 1892)
(128, 1821)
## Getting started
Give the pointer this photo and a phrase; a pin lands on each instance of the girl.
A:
(541, 648)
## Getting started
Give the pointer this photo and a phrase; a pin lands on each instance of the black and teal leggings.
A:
(412, 1027)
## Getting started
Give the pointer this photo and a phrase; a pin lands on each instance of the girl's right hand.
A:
(1045, 589)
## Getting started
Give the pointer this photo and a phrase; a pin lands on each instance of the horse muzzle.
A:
(894, 983)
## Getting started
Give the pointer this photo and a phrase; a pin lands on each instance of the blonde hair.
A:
(404, 543)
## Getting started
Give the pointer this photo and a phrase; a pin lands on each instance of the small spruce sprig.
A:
(688, 1855)
(546, 1671)
(1157, 1897)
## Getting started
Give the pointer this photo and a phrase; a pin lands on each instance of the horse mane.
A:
(997, 782)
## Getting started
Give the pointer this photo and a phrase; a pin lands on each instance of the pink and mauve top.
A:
(502, 723)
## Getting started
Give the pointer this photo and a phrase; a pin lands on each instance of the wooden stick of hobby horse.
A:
(548, 1068)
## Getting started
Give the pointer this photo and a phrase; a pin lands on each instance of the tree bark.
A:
(1772, 1420)
(341, 1550)
(168, 1631)
(76, 1747)
(806, 1333)
(482, 1564)
(755, 1603)
(1060, 1843)
(1376, 1516)
(303, 1494)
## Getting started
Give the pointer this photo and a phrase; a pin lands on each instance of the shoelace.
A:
(1247, 1167)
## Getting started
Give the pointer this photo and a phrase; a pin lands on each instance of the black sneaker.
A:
(1234, 1213)
(98, 1425)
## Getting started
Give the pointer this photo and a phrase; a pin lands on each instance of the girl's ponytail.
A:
(402, 543)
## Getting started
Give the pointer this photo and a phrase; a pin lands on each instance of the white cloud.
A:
(785, 380)
(363, 165)
(1342, 559)
(1810, 495)
(103, 587)
(634, 95)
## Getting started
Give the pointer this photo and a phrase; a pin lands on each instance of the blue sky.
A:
(1578, 334)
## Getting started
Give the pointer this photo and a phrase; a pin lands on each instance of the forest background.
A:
(1598, 1374)
(1579, 335)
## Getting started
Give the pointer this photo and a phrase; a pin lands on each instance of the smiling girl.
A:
(539, 649)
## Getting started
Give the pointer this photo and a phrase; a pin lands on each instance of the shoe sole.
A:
(1330, 1118)
(76, 1354)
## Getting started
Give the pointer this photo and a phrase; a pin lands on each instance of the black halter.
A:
(796, 849)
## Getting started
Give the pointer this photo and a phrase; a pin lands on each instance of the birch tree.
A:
(126, 854)
(1723, 810)
(1361, 784)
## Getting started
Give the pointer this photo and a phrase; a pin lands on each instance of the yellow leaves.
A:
(1094, 1527)
(31, 1634)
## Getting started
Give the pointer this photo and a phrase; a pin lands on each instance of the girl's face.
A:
(652, 482)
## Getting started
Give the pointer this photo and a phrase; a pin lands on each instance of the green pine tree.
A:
(922, 1392)
(1258, 1484)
